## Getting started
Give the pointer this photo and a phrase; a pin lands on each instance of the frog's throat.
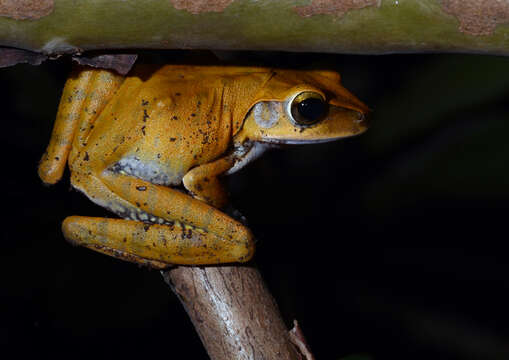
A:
(247, 152)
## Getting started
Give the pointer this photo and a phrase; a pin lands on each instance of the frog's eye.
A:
(308, 108)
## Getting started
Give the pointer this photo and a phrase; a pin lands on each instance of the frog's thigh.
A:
(172, 205)
(203, 183)
(154, 245)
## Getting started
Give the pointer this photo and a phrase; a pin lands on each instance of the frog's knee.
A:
(50, 170)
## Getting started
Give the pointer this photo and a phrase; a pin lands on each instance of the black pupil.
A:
(311, 109)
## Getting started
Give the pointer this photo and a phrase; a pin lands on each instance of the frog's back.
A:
(167, 119)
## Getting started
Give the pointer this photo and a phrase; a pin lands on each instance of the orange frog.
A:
(151, 147)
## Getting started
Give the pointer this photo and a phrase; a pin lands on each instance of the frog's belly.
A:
(152, 171)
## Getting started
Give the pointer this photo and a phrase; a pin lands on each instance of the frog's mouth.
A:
(301, 141)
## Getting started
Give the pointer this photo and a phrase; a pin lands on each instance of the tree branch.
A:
(233, 312)
(343, 26)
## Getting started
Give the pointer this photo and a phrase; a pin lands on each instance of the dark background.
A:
(393, 243)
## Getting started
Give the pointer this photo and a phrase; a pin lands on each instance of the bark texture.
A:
(342, 26)
(233, 312)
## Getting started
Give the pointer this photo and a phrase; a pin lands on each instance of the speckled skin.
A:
(131, 141)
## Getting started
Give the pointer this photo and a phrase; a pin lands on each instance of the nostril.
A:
(364, 119)
(360, 117)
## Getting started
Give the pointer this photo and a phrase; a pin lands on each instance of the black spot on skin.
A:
(145, 115)
(143, 130)
(206, 179)
(193, 114)
(174, 118)
(91, 127)
(146, 227)
(178, 94)
(189, 233)
(57, 158)
(141, 188)
(86, 158)
(124, 239)
(199, 187)
(144, 102)
(172, 139)
(138, 204)
(158, 156)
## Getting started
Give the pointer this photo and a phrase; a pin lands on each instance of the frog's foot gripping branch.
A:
(195, 234)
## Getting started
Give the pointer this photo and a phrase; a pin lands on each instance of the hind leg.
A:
(85, 94)
(176, 228)
(154, 245)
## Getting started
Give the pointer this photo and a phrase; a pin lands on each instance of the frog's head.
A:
(302, 107)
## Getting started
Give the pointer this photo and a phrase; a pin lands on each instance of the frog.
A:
(153, 146)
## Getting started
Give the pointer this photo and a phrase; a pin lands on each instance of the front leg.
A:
(204, 184)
